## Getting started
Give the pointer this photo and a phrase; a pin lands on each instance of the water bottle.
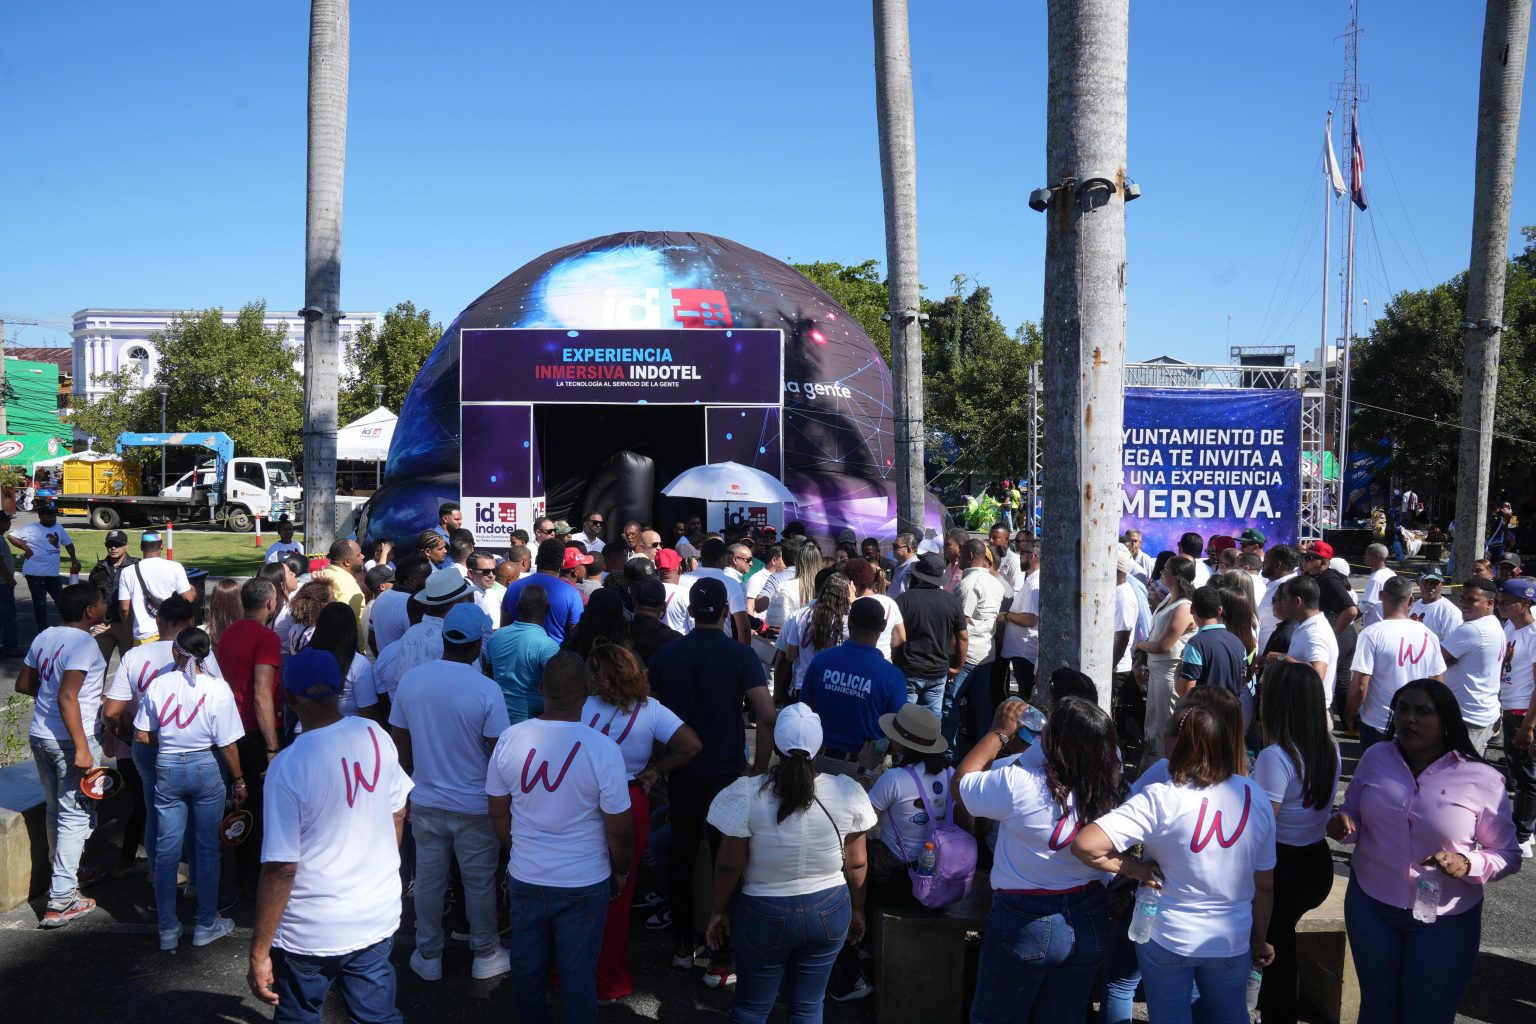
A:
(926, 859)
(1031, 725)
(1148, 902)
(1255, 981)
(1426, 896)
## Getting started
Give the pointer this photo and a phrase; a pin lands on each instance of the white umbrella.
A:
(728, 481)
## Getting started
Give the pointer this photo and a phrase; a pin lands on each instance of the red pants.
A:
(613, 978)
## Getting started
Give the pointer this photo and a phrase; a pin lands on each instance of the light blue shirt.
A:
(518, 653)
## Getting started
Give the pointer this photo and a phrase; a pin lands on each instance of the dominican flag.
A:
(1357, 168)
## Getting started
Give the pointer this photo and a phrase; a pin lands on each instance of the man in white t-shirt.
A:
(591, 533)
(63, 672)
(285, 544)
(445, 717)
(40, 543)
(1021, 622)
(1313, 642)
(981, 599)
(144, 584)
(559, 800)
(1370, 601)
(1280, 564)
(1474, 660)
(713, 558)
(1126, 613)
(1390, 653)
(328, 905)
(1436, 611)
(389, 616)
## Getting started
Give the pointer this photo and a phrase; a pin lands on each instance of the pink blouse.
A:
(1455, 804)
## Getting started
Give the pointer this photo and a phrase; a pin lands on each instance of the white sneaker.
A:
(221, 927)
(426, 970)
(491, 965)
(1528, 849)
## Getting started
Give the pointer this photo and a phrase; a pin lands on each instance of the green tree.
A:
(125, 405)
(862, 293)
(1407, 380)
(238, 378)
(391, 356)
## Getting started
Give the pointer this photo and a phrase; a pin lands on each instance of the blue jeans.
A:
(560, 928)
(1410, 972)
(1170, 982)
(144, 761)
(1040, 954)
(1522, 778)
(70, 815)
(927, 692)
(1122, 973)
(8, 636)
(793, 940)
(1369, 737)
(980, 701)
(189, 789)
(367, 985)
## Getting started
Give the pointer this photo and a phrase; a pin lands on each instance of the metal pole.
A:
(163, 389)
(1322, 352)
(1349, 327)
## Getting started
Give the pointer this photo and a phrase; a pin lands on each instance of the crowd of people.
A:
(542, 741)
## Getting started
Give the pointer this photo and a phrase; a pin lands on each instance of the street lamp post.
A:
(164, 390)
(378, 395)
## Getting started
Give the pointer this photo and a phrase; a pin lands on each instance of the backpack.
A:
(955, 854)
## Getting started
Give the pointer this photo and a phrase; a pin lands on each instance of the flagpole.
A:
(1322, 352)
(1349, 309)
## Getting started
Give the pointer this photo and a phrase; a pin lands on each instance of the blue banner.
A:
(1211, 461)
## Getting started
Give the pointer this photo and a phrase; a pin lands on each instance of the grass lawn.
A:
(218, 552)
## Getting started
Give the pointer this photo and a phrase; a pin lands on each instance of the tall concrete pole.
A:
(1084, 326)
(1506, 31)
(329, 56)
(898, 180)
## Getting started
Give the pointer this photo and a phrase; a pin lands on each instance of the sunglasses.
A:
(483, 572)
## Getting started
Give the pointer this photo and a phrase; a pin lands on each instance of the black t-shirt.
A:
(704, 678)
(1334, 594)
(931, 617)
(647, 635)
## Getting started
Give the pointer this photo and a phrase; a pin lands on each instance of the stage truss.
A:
(1317, 510)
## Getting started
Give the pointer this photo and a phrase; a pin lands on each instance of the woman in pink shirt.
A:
(1425, 813)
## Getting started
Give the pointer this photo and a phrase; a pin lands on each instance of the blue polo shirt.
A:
(565, 603)
(850, 686)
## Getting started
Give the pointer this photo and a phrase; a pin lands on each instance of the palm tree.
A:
(1084, 326)
(898, 179)
(1506, 31)
(329, 27)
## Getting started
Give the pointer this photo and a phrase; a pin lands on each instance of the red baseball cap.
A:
(573, 558)
(1220, 543)
(666, 558)
(1321, 549)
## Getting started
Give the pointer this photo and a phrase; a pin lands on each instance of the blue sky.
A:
(154, 153)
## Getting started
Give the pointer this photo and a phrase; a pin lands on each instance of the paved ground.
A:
(108, 963)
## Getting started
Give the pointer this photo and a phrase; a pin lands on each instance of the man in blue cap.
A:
(446, 717)
(329, 901)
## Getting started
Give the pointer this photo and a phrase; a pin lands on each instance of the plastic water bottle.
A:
(1255, 980)
(926, 859)
(1426, 896)
(1148, 901)
(1031, 725)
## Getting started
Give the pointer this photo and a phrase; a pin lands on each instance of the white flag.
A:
(1335, 178)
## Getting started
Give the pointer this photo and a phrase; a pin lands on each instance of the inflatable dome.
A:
(837, 434)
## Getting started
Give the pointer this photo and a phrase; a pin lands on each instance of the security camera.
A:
(1132, 190)
(1040, 199)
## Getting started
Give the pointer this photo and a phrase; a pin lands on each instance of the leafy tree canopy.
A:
(390, 356)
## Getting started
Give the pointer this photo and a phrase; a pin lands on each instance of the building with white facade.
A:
(108, 339)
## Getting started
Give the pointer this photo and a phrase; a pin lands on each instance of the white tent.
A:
(367, 439)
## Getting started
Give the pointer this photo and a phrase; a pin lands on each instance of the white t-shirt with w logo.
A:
(329, 807)
(189, 716)
(562, 778)
(1394, 652)
(1208, 842)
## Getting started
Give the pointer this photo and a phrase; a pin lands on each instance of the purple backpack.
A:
(955, 854)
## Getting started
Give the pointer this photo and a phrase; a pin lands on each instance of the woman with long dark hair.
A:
(1432, 825)
(653, 741)
(1046, 934)
(1157, 658)
(187, 713)
(819, 627)
(304, 611)
(1298, 769)
(795, 840)
(1208, 835)
(223, 607)
(1237, 611)
(1156, 592)
(336, 631)
(602, 621)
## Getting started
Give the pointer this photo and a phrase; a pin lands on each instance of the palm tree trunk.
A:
(898, 180)
(1084, 326)
(329, 28)
(1506, 30)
